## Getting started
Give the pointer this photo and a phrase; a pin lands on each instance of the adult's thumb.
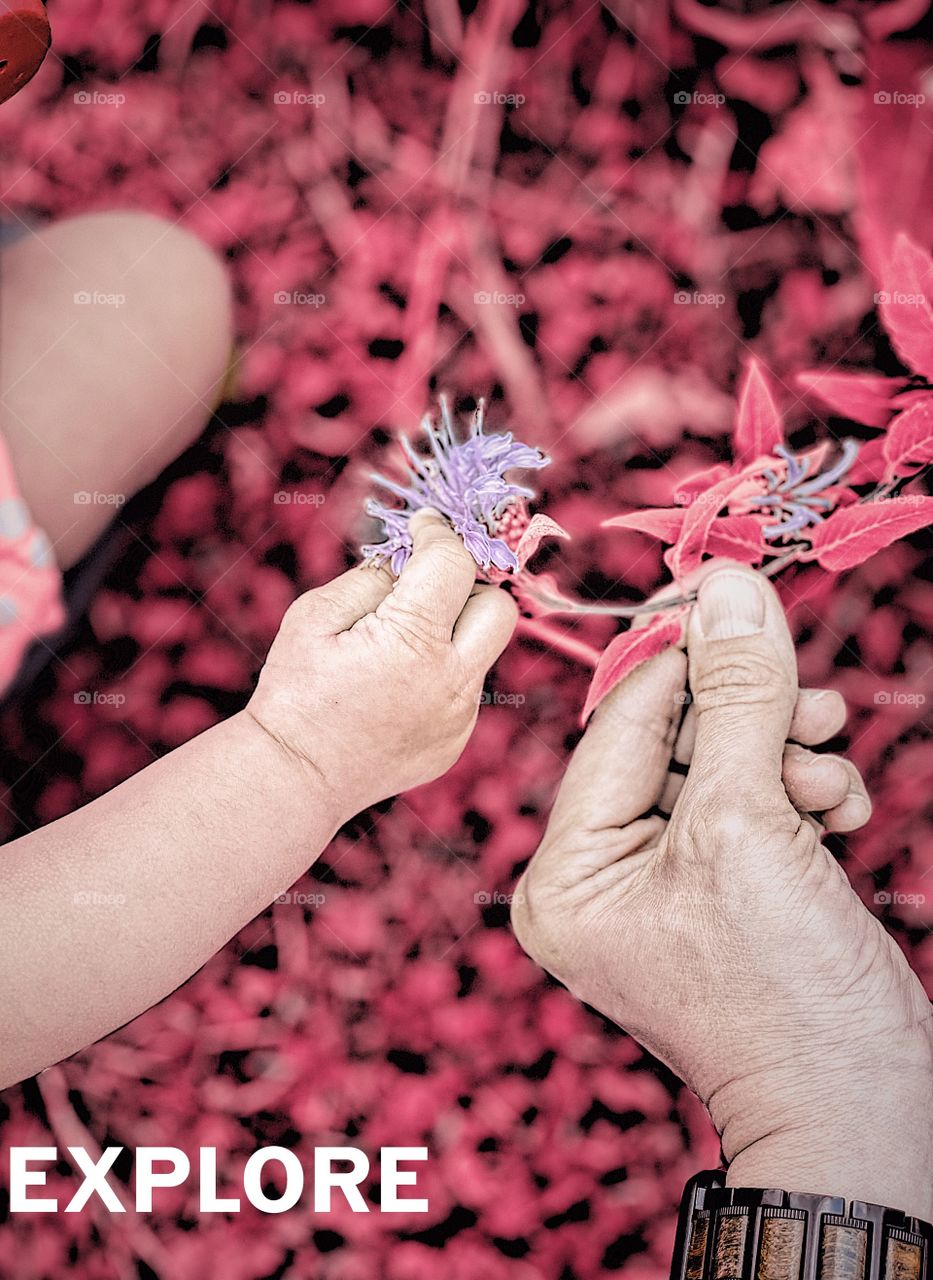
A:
(743, 679)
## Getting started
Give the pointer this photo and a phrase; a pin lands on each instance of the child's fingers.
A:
(434, 585)
(350, 597)
(485, 627)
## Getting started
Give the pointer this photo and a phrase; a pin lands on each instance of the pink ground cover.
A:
(518, 204)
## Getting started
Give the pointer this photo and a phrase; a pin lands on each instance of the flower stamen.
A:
(465, 481)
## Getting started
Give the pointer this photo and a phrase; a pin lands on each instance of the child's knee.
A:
(175, 291)
(122, 340)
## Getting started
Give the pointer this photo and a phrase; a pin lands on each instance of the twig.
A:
(553, 638)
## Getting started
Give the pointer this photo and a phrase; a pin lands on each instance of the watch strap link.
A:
(739, 1233)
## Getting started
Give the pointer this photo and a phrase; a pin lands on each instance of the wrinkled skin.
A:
(703, 914)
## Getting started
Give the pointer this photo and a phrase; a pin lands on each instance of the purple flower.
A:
(465, 481)
(795, 501)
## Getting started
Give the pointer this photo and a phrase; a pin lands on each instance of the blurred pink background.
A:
(590, 214)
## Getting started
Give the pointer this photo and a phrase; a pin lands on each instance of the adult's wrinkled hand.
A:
(700, 910)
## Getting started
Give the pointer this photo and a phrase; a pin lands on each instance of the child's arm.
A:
(368, 689)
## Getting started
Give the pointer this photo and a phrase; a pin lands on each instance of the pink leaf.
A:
(629, 650)
(905, 307)
(863, 397)
(759, 428)
(910, 438)
(698, 481)
(738, 537)
(852, 534)
(694, 534)
(869, 466)
(660, 522)
(539, 528)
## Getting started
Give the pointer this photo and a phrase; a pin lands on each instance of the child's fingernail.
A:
(731, 604)
(424, 516)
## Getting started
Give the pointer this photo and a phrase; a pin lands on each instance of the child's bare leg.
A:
(115, 338)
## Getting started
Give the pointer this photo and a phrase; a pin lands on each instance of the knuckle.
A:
(307, 609)
(746, 675)
(448, 553)
(728, 827)
(321, 600)
(415, 625)
(649, 723)
(717, 823)
(835, 703)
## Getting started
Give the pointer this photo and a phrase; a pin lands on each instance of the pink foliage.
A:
(609, 219)
(629, 650)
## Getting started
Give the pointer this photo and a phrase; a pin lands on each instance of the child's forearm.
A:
(109, 909)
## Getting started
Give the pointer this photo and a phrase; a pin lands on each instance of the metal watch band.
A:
(740, 1233)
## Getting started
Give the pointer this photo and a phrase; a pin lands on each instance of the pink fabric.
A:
(30, 581)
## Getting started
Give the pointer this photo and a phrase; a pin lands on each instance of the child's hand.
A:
(374, 683)
(372, 686)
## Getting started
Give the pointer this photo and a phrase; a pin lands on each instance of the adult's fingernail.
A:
(731, 604)
(857, 807)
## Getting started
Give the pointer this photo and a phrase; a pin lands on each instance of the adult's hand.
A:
(703, 914)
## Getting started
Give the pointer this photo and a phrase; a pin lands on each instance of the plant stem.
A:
(567, 605)
(573, 607)
(554, 638)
